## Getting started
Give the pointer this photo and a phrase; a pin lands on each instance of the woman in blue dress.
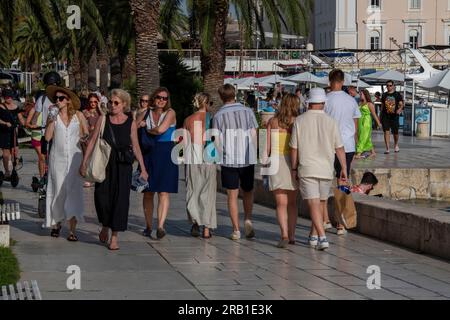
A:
(160, 122)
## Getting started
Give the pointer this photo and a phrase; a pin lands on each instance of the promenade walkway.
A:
(180, 267)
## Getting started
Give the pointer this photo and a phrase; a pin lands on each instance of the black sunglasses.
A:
(144, 101)
(116, 103)
(61, 98)
(162, 98)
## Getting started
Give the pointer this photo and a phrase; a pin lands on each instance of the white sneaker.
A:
(249, 231)
(236, 235)
(323, 244)
(327, 226)
(341, 232)
(313, 241)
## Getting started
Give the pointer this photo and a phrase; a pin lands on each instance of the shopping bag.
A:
(345, 209)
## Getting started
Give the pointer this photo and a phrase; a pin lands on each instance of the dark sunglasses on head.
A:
(61, 98)
(162, 98)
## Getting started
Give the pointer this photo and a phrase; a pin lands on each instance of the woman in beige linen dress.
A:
(281, 183)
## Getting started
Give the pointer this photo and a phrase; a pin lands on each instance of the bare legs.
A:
(234, 209)
(162, 211)
(315, 208)
(387, 140)
(41, 162)
(287, 213)
(6, 161)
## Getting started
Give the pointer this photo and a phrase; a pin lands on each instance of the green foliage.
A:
(9, 267)
(181, 82)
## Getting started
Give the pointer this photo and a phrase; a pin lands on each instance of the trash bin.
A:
(423, 130)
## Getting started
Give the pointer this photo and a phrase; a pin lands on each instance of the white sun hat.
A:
(317, 95)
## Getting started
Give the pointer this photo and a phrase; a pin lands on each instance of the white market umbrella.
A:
(307, 77)
(355, 82)
(384, 76)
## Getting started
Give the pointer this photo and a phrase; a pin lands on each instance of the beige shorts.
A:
(314, 188)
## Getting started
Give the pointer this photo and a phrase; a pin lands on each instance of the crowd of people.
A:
(311, 142)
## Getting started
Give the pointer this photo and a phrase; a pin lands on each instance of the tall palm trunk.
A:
(84, 70)
(103, 63)
(213, 61)
(116, 72)
(92, 73)
(146, 19)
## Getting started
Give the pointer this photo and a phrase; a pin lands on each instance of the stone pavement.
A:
(183, 268)
(414, 153)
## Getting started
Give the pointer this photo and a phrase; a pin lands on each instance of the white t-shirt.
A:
(43, 108)
(344, 109)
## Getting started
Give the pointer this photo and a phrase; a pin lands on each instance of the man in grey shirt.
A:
(237, 126)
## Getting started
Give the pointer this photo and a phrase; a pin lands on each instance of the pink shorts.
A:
(35, 143)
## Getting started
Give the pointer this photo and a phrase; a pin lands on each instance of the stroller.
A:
(14, 177)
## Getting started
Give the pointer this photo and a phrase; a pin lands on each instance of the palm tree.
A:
(146, 18)
(209, 22)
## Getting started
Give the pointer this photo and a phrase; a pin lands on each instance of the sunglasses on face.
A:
(7, 98)
(390, 85)
(162, 98)
(144, 101)
(61, 98)
(115, 103)
(93, 101)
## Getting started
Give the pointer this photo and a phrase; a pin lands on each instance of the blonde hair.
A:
(201, 100)
(71, 111)
(124, 97)
(289, 108)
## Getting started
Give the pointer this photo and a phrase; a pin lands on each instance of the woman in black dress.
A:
(112, 196)
(8, 130)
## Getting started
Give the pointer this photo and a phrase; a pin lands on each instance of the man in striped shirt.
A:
(236, 143)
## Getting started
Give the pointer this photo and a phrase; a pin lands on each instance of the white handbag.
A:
(96, 168)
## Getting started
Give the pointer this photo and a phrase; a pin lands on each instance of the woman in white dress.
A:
(65, 126)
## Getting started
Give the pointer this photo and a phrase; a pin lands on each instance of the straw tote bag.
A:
(96, 168)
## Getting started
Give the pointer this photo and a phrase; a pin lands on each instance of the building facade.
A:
(381, 24)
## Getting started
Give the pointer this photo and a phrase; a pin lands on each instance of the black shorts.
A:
(390, 124)
(337, 165)
(233, 177)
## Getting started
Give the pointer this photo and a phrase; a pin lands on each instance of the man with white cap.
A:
(315, 141)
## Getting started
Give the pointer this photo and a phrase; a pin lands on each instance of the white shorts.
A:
(314, 188)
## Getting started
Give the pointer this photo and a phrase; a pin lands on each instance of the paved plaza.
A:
(183, 268)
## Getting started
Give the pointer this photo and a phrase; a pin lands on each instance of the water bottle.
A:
(345, 189)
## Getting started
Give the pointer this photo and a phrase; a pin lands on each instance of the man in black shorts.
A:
(391, 107)
(237, 126)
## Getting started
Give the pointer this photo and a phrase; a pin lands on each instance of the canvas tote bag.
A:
(96, 168)
(345, 209)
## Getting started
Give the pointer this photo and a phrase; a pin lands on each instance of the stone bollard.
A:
(4, 235)
(423, 130)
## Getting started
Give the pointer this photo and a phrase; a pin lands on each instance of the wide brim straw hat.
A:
(51, 94)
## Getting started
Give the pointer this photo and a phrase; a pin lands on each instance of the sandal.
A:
(206, 237)
(72, 238)
(55, 232)
(195, 230)
(113, 249)
(103, 240)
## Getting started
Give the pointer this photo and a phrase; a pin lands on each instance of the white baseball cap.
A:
(317, 95)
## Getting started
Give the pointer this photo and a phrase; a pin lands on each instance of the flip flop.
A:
(72, 238)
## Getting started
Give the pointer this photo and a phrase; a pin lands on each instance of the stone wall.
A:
(406, 184)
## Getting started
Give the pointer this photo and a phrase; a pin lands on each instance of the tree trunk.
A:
(84, 70)
(116, 72)
(103, 63)
(71, 76)
(213, 62)
(76, 69)
(129, 67)
(92, 79)
(146, 20)
(35, 69)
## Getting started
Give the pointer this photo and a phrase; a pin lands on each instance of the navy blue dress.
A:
(163, 172)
